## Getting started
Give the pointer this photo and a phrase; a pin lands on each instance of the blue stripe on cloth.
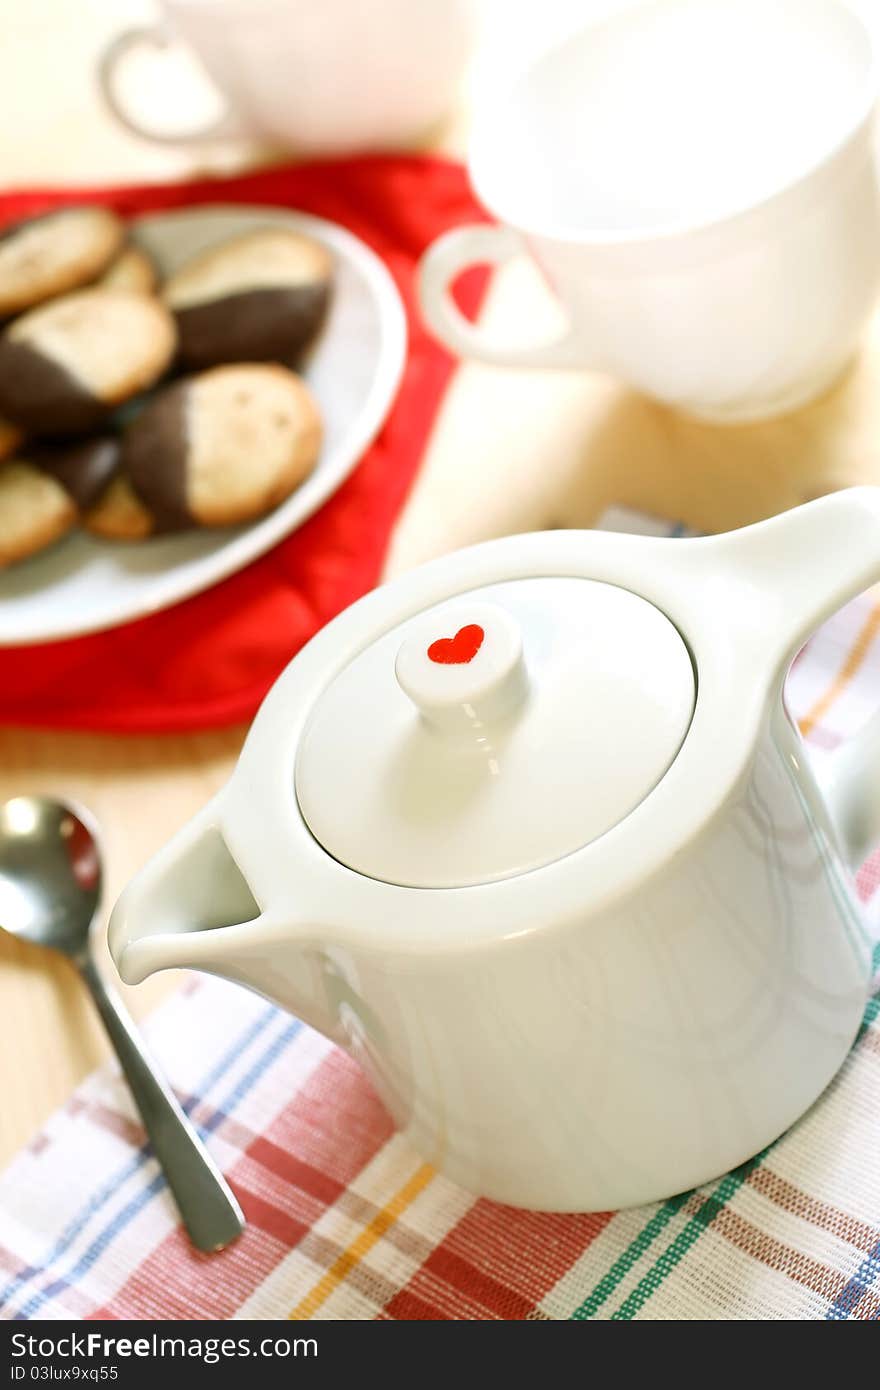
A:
(861, 1281)
(868, 1270)
(140, 1200)
(104, 1194)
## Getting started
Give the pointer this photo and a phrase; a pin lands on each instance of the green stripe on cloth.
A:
(700, 1221)
(624, 1263)
(706, 1214)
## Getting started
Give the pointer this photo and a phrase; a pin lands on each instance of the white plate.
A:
(85, 584)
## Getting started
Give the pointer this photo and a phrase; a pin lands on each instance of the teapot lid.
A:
(495, 732)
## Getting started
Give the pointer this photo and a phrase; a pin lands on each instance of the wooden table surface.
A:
(511, 451)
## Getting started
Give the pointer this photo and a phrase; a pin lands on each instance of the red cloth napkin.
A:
(209, 660)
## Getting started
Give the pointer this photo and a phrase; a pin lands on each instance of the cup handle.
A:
(156, 36)
(457, 251)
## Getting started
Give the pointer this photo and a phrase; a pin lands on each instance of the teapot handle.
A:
(798, 568)
(787, 574)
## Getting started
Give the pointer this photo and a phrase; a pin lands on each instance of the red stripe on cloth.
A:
(336, 1123)
(406, 1307)
(482, 1293)
(285, 1181)
(291, 1169)
(175, 1281)
(280, 1225)
(496, 1263)
(868, 877)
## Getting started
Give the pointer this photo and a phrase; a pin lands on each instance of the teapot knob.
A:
(463, 666)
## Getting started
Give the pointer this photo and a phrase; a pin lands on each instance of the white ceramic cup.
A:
(696, 179)
(323, 76)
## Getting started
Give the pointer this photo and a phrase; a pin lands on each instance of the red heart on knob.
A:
(460, 649)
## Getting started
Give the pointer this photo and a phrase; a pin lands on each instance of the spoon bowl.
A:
(50, 873)
(50, 891)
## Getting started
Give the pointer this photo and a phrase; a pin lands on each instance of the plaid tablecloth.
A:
(346, 1221)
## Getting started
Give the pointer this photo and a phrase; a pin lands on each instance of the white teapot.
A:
(530, 833)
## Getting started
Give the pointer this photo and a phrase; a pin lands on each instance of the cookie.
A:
(59, 251)
(132, 270)
(65, 365)
(223, 447)
(119, 514)
(35, 510)
(260, 297)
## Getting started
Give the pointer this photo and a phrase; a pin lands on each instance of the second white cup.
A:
(696, 179)
(323, 76)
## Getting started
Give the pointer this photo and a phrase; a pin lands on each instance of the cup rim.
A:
(481, 142)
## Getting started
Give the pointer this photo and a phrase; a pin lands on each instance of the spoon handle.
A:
(209, 1210)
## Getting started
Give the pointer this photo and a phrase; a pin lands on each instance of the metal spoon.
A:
(50, 887)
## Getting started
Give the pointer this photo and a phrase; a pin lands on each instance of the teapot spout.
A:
(165, 917)
(191, 908)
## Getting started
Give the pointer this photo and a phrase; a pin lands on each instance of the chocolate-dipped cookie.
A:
(132, 270)
(10, 438)
(83, 469)
(64, 366)
(223, 447)
(56, 252)
(260, 297)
